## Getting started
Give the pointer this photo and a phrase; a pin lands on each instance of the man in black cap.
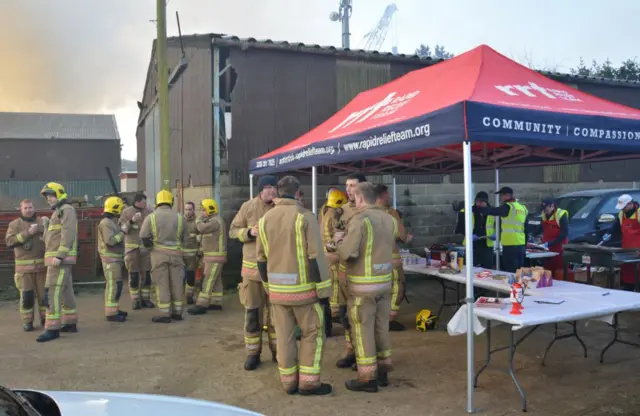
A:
(513, 235)
(483, 229)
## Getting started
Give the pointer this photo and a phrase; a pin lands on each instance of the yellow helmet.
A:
(164, 197)
(113, 205)
(336, 198)
(426, 321)
(55, 189)
(210, 206)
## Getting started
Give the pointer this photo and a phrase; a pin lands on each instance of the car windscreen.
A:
(579, 207)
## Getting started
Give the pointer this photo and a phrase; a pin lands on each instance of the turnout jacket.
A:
(190, 248)
(28, 250)
(164, 231)
(214, 238)
(290, 257)
(367, 250)
(248, 216)
(132, 235)
(401, 234)
(61, 238)
(110, 241)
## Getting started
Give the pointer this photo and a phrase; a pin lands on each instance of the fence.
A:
(12, 192)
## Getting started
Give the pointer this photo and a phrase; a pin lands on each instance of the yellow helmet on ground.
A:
(426, 321)
(209, 206)
(113, 205)
(55, 189)
(164, 197)
(336, 198)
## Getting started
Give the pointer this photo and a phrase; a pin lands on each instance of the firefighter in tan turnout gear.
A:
(190, 250)
(136, 256)
(111, 250)
(244, 228)
(164, 233)
(330, 224)
(293, 269)
(61, 248)
(24, 236)
(213, 246)
(367, 249)
(398, 279)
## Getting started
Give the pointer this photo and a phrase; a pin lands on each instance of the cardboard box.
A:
(600, 277)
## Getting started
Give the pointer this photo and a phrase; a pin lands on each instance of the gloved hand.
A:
(33, 229)
(475, 238)
(492, 237)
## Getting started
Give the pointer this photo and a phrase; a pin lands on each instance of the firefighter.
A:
(24, 236)
(322, 208)
(292, 267)
(555, 232)
(190, 250)
(626, 231)
(348, 211)
(367, 250)
(111, 250)
(244, 228)
(164, 233)
(483, 230)
(136, 256)
(61, 249)
(213, 245)
(513, 233)
(398, 279)
(330, 215)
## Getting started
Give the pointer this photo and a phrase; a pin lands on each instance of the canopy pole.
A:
(395, 194)
(314, 190)
(251, 186)
(468, 231)
(497, 247)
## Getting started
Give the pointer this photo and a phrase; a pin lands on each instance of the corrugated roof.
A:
(58, 126)
(235, 41)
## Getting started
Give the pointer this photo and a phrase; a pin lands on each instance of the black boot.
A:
(161, 319)
(252, 362)
(274, 357)
(176, 317)
(123, 313)
(148, 304)
(321, 390)
(215, 307)
(116, 318)
(71, 328)
(197, 310)
(190, 300)
(48, 335)
(354, 367)
(383, 379)
(28, 327)
(346, 362)
(137, 305)
(366, 386)
(396, 326)
(291, 390)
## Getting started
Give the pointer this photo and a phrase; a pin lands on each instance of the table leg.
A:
(616, 339)
(557, 337)
(444, 303)
(512, 372)
(487, 356)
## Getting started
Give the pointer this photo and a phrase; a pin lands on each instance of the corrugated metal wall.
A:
(12, 192)
(354, 77)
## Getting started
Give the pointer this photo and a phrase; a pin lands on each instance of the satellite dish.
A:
(334, 16)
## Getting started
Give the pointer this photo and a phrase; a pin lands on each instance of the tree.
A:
(629, 70)
(438, 52)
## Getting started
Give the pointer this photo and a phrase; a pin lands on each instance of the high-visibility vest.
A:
(490, 226)
(513, 225)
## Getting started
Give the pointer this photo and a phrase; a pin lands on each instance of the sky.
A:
(91, 56)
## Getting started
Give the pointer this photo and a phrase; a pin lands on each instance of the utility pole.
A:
(163, 94)
(343, 15)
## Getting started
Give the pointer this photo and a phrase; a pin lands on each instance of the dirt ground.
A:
(202, 357)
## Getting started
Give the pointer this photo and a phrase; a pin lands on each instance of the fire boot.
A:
(321, 390)
(116, 318)
(354, 367)
(396, 326)
(291, 390)
(346, 362)
(176, 317)
(48, 335)
(161, 319)
(197, 310)
(148, 304)
(215, 307)
(252, 362)
(366, 386)
(137, 305)
(383, 379)
(123, 313)
(274, 357)
(28, 327)
(190, 300)
(71, 328)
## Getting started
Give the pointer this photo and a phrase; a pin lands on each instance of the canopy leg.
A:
(395, 194)
(468, 231)
(314, 190)
(251, 186)
(497, 246)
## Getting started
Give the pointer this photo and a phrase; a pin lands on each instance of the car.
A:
(592, 213)
(75, 403)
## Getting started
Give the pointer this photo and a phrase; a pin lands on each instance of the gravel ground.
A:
(202, 357)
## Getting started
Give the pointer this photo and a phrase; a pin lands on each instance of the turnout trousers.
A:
(257, 315)
(59, 298)
(299, 368)
(138, 263)
(191, 262)
(113, 289)
(369, 318)
(167, 273)
(31, 288)
(343, 295)
(397, 291)
(334, 302)
(211, 292)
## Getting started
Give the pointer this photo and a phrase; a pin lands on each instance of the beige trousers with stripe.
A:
(299, 368)
(61, 301)
(112, 275)
(212, 288)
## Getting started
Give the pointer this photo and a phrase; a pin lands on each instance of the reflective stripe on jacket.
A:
(61, 238)
(166, 229)
(28, 250)
(214, 238)
(110, 241)
(132, 236)
(190, 247)
(248, 216)
(490, 227)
